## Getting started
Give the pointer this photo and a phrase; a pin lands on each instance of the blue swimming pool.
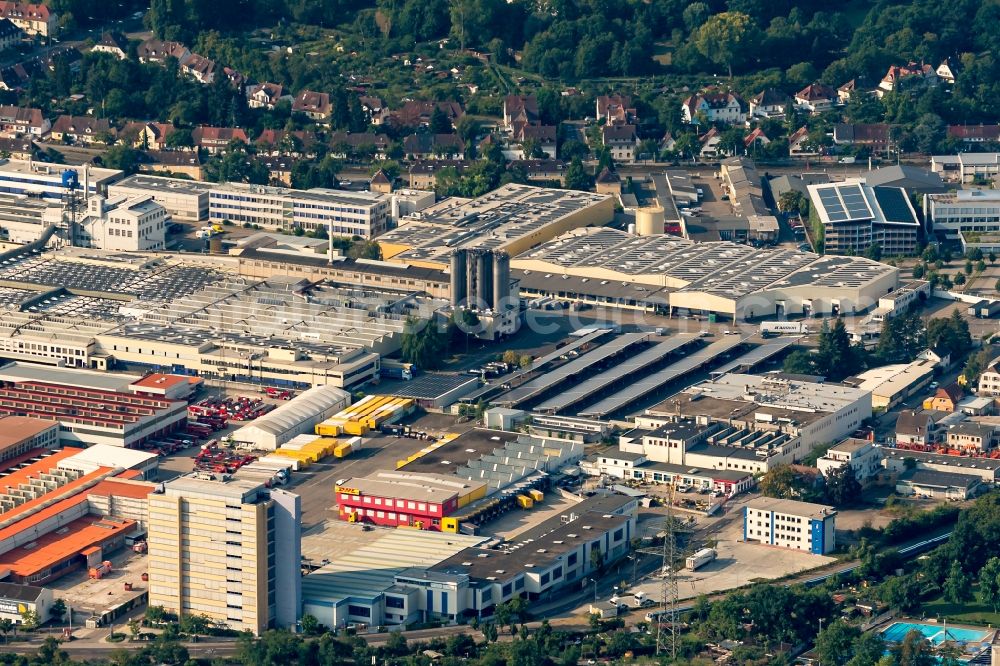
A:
(935, 633)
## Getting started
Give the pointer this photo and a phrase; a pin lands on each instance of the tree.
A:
(781, 482)
(868, 649)
(122, 157)
(134, 627)
(799, 362)
(835, 358)
(791, 201)
(726, 39)
(180, 138)
(874, 252)
(6, 626)
(423, 343)
(30, 620)
(510, 357)
(914, 650)
(156, 614)
(310, 625)
(989, 584)
(960, 279)
(396, 644)
(440, 124)
(958, 584)
(900, 592)
(596, 559)
(57, 610)
(576, 177)
(835, 643)
(842, 486)
(365, 249)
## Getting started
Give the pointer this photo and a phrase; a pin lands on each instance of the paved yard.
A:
(89, 597)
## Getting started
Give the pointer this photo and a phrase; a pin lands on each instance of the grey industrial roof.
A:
(757, 355)
(432, 387)
(468, 446)
(32, 372)
(907, 176)
(721, 474)
(930, 477)
(160, 184)
(16, 592)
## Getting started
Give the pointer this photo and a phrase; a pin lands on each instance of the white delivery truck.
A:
(701, 558)
(772, 328)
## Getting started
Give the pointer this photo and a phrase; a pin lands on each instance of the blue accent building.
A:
(790, 524)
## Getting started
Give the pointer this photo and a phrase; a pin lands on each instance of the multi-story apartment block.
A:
(226, 549)
(861, 455)
(790, 524)
(341, 213)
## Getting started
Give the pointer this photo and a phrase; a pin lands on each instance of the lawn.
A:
(970, 612)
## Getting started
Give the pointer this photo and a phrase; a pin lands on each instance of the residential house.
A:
(114, 43)
(725, 107)
(799, 144)
(541, 171)
(616, 110)
(200, 68)
(915, 428)
(710, 141)
(10, 34)
(217, 139)
(173, 162)
(543, 136)
(874, 135)
(426, 146)
(974, 133)
(667, 143)
(846, 91)
(146, 135)
(969, 437)
(380, 182)
(621, 140)
(947, 70)
(17, 149)
(861, 455)
(519, 110)
(315, 105)
(898, 74)
(989, 380)
(415, 113)
(755, 138)
(608, 182)
(266, 95)
(67, 56)
(279, 168)
(298, 143)
(945, 398)
(422, 174)
(373, 108)
(158, 50)
(769, 103)
(21, 120)
(14, 78)
(816, 98)
(939, 356)
(81, 129)
(348, 144)
(34, 19)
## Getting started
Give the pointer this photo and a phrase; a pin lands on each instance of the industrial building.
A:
(121, 224)
(790, 524)
(185, 200)
(248, 581)
(299, 415)
(624, 464)
(23, 219)
(16, 600)
(406, 499)
(856, 215)
(671, 275)
(45, 179)
(895, 461)
(890, 385)
(816, 413)
(966, 167)
(938, 485)
(481, 282)
(511, 219)
(965, 212)
(339, 212)
(22, 434)
(58, 518)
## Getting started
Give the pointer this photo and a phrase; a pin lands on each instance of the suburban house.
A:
(975, 133)
(874, 135)
(18, 120)
(947, 70)
(298, 143)
(518, 111)
(114, 43)
(545, 171)
(972, 437)
(668, 142)
(422, 174)
(266, 95)
(945, 398)
(19, 149)
(897, 74)
(710, 141)
(915, 428)
(816, 98)
(373, 108)
(173, 162)
(725, 107)
(200, 68)
(344, 143)
(15, 77)
(217, 139)
(544, 136)
(315, 105)
(34, 19)
(81, 129)
(279, 168)
(416, 113)
(235, 78)
(860, 455)
(989, 380)
(800, 145)
(10, 34)
(608, 182)
(769, 103)
(755, 138)
(616, 110)
(621, 141)
(158, 50)
(939, 356)
(425, 146)
(846, 91)
(146, 135)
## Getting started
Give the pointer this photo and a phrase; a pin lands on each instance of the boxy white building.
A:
(790, 524)
(296, 417)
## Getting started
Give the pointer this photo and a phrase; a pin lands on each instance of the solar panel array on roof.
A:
(627, 396)
(844, 202)
(893, 203)
(625, 368)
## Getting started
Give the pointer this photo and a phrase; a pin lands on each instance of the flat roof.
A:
(409, 485)
(16, 429)
(105, 455)
(238, 489)
(468, 446)
(689, 470)
(164, 185)
(35, 372)
(850, 445)
(792, 507)
(433, 386)
(161, 380)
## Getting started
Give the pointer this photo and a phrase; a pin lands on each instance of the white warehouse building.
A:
(296, 417)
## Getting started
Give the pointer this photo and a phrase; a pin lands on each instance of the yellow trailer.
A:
(524, 501)
(343, 450)
(536, 495)
(449, 525)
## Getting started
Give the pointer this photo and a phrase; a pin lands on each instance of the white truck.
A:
(701, 558)
(772, 328)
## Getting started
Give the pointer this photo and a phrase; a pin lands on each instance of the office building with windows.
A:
(856, 216)
(963, 213)
(339, 212)
(790, 524)
(229, 550)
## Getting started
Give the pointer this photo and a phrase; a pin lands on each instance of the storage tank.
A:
(484, 276)
(457, 276)
(470, 275)
(649, 221)
(501, 278)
